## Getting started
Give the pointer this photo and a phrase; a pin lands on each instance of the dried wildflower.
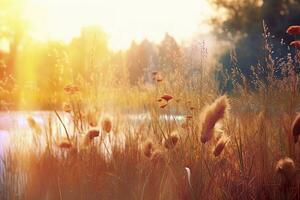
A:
(192, 108)
(296, 128)
(148, 148)
(295, 44)
(71, 89)
(220, 145)
(106, 125)
(178, 100)
(171, 141)
(286, 167)
(212, 115)
(167, 97)
(293, 30)
(159, 99)
(67, 107)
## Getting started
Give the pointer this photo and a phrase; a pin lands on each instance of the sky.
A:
(122, 20)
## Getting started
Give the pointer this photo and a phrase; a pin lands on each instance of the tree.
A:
(170, 54)
(241, 23)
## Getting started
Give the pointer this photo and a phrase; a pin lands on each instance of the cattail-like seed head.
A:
(171, 141)
(295, 44)
(106, 125)
(211, 116)
(148, 148)
(286, 167)
(220, 145)
(296, 128)
(293, 30)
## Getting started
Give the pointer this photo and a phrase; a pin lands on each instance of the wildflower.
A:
(295, 44)
(71, 89)
(192, 108)
(167, 97)
(296, 128)
(148, 148)
(159, 99)
(286, 167)
(67, 107)
(106, 125)
(293, 30)
(212, 115)
(171, 141)
(220, 145)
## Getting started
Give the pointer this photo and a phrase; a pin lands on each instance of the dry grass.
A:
(212, 152)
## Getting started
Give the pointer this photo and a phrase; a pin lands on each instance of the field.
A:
(146, 109)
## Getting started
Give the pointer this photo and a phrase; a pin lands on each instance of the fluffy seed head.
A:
(171, 141)
(295, 44)
(106, 125)
(293, 30)
(220, 145)
(286, 167)
(147, 148)
(211, 116)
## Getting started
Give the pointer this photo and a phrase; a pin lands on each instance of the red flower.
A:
(295, 44)
(293, 30)
(167, 97)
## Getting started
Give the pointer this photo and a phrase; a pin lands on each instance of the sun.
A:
(123, 21)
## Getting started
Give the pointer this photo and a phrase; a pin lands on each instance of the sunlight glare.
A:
(123, 21)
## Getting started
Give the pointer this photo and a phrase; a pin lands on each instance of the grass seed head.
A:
(106, 125)
(211, 116)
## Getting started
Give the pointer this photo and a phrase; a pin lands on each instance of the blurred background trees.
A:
(242, 26)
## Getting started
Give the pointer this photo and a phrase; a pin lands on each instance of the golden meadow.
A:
(106, 133)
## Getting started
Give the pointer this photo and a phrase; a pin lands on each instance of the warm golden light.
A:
(123, 21)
